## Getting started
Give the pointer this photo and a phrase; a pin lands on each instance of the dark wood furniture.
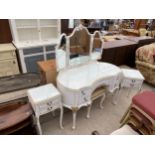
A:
(119, 52)
(122, 52)
(15, 111)
(14, 117)
(141, 41)
(18, 82)
(5, 33)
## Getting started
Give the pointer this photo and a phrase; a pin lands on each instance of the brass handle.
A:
(49, 108)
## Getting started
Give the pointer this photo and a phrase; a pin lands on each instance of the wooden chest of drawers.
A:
(8, 60)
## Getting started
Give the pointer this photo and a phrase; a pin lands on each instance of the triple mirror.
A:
(78, 48)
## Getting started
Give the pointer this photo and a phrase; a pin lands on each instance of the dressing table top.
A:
(85, 75)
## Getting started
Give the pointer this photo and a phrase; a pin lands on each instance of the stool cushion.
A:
(146, 102)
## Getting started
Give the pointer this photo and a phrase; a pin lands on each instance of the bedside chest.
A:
(8, 60)
(132, 78)
(45, 99)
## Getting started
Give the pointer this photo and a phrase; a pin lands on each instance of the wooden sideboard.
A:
(119, 52)
(122, 52)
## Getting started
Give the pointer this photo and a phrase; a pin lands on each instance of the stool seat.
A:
(146, 102)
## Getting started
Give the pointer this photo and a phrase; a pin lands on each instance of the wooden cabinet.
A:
(35, 40)
(48, 71)
(8, 61)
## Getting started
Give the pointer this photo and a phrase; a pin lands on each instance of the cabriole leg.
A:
(74, 118)
(88, 110)
(39, 126)
(101, 102)
(61, 118)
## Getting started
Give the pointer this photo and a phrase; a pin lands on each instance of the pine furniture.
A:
(8, 60)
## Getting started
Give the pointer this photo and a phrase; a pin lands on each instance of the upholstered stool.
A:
(146, 102)
(45, 99)
(141, 113)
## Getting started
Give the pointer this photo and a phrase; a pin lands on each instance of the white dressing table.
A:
(79, 77)
(78, 83)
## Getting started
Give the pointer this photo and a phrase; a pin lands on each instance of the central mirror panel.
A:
(79, 46)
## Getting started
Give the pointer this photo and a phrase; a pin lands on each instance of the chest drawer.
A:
(6, 55)
(131, 83)
(8, 67)
(49, 106)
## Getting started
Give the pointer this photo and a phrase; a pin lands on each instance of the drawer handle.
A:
(14, 62)
(133, 81)
(49, 103)
(49, 108)
(85, 99)
(83, 92)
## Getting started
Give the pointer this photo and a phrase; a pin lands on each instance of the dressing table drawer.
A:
(85, 95)
(50, 106)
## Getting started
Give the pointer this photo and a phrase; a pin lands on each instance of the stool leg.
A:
(39, 126)
(129, 92)
(88, 110)
(115, 97)
(74, 118)
(61, 118)
(140, 88)
(101, 102)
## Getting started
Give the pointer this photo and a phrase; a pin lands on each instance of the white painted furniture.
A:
(77, 83)
(131, 78)
(8, 60)
(45, 99)
(35, 40)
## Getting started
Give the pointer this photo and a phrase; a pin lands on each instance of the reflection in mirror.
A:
(97, 46)
(79, 46)
(61, 54)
